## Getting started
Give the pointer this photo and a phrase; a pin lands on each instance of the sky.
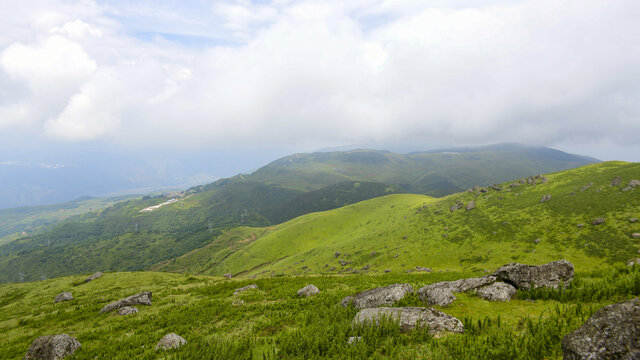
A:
(275, 77)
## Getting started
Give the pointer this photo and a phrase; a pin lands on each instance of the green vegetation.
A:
(400, 232)
(274, 323)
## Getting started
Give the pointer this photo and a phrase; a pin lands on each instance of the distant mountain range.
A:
(121, 237)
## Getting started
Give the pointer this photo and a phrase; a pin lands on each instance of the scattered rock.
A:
(93, 277)
(379, 296)
(387, 270)
(228, 275)
(553, 274)
(170, 341)
(143, 298)
(458, 286)
(632, 262)
(631, 185)
(410, 317)
(470, 206)
(544, 180)
(617, 181)
(613, 332)
(537, 241)
(127, 310)
(496, 187)
(396, 255)
(422, 268)
(633, 220)
(308, 290)
(546, 197)
(237, 302)
(245, 288)
(586, 186)
(572, 194)
(445, 235)
(52, 347)
(514, 184)
(580, 225)
(456, 206)
(635, 235)
(354, 339)
(332, 268)
(437, 296)
(65, 296)
(338, 253)
(598, 221)
(498, 291)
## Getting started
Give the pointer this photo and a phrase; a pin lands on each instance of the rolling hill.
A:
(122, 237)
(400, 232)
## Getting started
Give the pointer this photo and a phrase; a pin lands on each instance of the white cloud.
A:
(311, 74)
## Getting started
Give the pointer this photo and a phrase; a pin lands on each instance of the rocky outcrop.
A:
(631, 185)
(170, 341)
(545, 198)
(459, 286)
(245, 288)
(437, 296)
(498, 291)
(456, 206)
(613, 332)
(308, 290)
(143, 298)
(598, 221)
(52, 347)
(93, 277)
(470, 206)
(382, 296)
(65, 296)
(616, 181)
(410, 317)
(127, 310)
(553, 274)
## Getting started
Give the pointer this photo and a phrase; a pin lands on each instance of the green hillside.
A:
(400, 232)
(274, 323)
(121, 237)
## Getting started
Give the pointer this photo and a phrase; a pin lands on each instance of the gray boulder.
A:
(228, 275)
(632, 262)
(598, 221)
(93, 277)
(65, 296)
(633, 220)
(631, 185)
(308, 290)
(456, 206)
(382, 296)
(127, 310)
(170, 341)
(545, 198)
(635, 235)
(52, 347)
(437, 296)
(459, 286)
(613, 332)
(423, 269)
(470, 206)
(410, 317)
(616, 181)
(498, 291)
(245, 288)
(523, 276)
(143, 298)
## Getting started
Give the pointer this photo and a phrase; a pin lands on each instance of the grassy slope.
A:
(414, 226)
(275, 323)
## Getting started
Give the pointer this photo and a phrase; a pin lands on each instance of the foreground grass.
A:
(274, 323)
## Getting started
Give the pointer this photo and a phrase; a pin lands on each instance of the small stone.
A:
(52, 347)
(545, 198)
(396, 255)
(127, 310)
(338, 253)
(387, 270)
(635, 235)
(633, 220)
(170, 341)
(228, 275)
(238, 302)
(354, 339)
(65, 296)
(633, 262)
(580, 225)
(245, 288)
(598, 221)
(537, 241)
(470, 206)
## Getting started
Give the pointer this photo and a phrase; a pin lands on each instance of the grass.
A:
(274, 323)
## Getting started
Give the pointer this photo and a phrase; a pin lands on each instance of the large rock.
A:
(93, 277)
(308, 290)
(65, 296)
(410, 317)
(498, 291)
(245, 288)
(470, 206)
(613, 332)
(170, 341)
(382, 296)
(143, 298)
(459, 286)
(438, 296)
(52, 347)
(523, 276)
(127, 310)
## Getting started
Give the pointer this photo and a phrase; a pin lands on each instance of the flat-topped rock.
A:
(462, 285)
(143, 298)
(65, 296)
(93, 277)
(308, 290)
(382, 296)
(552, 275)
(613, 332)
(170, 341)
(410, 317)
(245, 288)
(498, 291)
(52, 347)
